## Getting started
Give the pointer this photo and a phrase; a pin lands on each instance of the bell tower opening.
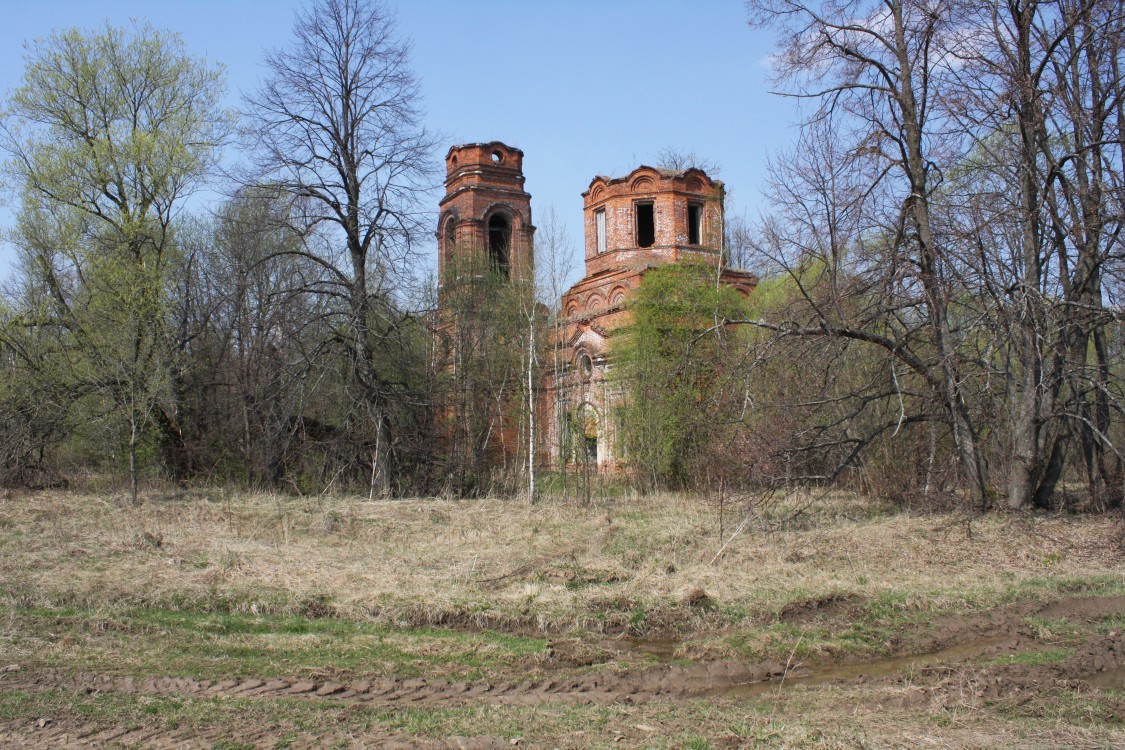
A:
(485, 225)
(499, 245)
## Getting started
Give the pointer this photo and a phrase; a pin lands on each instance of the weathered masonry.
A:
(632, 224)
(485, 216)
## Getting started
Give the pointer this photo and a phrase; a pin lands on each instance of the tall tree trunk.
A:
(917, 208)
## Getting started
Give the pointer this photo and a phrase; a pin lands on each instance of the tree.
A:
(336, 126)
(671, 365)
(487, 365)
(1039, 104)
(959, 178)
(108, 134)
(679, 159)
(35, 413)
(870, 67)
(554, 263)
(251, 375)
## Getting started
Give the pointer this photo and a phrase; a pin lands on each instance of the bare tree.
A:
(555, 262)
(252, 371)
(869, 66)
(671, 157)
(956, 200)
(337, 126)
(1036, 208)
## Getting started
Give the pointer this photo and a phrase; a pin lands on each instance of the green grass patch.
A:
(1100, 585)
(782, 640)
(1036, 658)
(145, 642)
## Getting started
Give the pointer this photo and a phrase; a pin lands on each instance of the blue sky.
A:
(584, 87)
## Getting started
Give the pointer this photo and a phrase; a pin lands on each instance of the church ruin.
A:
(632, 224)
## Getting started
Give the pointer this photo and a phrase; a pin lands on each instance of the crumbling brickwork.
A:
(632, 224)
(485, 216)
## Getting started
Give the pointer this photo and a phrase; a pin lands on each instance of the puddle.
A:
(1109, 679)
(874, 669)
(655, 648)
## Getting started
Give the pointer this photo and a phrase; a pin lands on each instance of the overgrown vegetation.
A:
(675, 365)
(940, 322)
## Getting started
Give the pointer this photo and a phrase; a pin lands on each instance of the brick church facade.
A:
(632, 224)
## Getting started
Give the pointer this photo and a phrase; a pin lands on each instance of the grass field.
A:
(831, 621)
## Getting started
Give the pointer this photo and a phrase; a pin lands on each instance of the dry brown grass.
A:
(639, 565)
(630, 564)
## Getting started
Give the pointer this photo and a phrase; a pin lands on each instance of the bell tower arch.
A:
(484, 221)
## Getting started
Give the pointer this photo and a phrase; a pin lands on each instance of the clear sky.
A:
(584, 87)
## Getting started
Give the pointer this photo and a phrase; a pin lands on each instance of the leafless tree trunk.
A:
(870, 66)
(1032, 92)
(337, 126)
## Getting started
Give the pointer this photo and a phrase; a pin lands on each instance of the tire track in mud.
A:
(666, 682)
(1100, 658)
(155, 737)
(998, 632)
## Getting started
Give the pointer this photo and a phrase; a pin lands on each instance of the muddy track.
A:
(658, 683)
(937, 677)
(668, 682)
(158, 737)
(1098, 656)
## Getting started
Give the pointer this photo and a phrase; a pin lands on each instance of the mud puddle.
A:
(656, 649)
(874, 669)
(1109, 679)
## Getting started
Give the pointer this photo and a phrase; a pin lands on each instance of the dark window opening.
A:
(450, 237)
(499, 241)
(591, 448)
(585, 366)
(694, 224)
(646, 225)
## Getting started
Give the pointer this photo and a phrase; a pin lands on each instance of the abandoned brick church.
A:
(631, 225)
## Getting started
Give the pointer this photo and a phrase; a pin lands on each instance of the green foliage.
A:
(487, 319)
(108, 133)
(671, 363)
(777, 294)
(121, 123)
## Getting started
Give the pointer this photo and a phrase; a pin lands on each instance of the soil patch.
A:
(831, 607)
(1008, 626)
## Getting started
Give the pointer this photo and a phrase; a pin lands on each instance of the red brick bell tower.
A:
(485, 217)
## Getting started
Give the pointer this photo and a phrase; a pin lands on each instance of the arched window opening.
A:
(585, 367)
(449, 238)
(591, 445)
(499, 243)
(599, 221)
